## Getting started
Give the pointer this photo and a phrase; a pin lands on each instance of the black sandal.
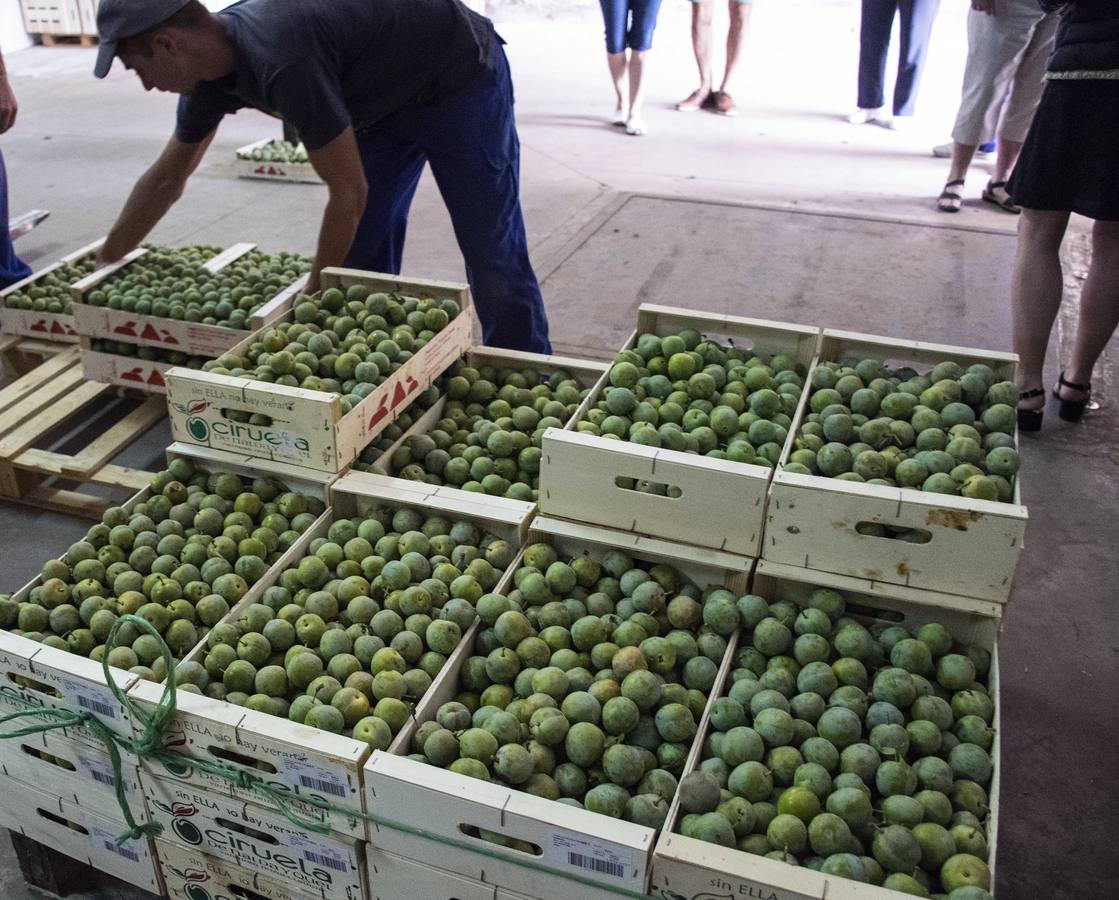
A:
(1030, 419)
(950, 201)
(1072, 410)
(1004, 203)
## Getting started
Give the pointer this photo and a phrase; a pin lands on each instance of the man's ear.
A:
(164, 41)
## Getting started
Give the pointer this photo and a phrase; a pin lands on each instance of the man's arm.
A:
(339, 165)
(8, 105)
(154, 194)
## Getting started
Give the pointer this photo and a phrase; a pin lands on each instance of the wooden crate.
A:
(308, 427)
(73, 772)
(189, 874)
(297, 173)
(146, 375)
(420, 812)
(55, 398)
(974, 545)
(392, 877)
(301, 760)
(193, 338)
(331, 866)
(586, 372)
(687, 869)
(79, 833)
(52, 17)
(44, 326)
(722, 503)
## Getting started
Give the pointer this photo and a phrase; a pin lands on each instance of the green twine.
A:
(149, 745)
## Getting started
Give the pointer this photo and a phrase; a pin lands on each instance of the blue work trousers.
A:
(12, 268)
(470, 140)
(917, 17)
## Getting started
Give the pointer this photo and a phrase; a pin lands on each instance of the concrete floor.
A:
(785, 212)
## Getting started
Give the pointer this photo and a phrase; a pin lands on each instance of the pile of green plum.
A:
(180, 559)
(51, 291)
(859, 751)
(948, 431)
(682, 392)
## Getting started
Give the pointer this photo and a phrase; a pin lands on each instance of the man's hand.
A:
(990, 7)
(8, 105)
(339, 165)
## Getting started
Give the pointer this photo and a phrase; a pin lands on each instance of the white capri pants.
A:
(1004, 77)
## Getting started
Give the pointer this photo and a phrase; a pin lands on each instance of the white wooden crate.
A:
(974, 545)
(194, 338)
(46, 326)
(688, 869)
(393, 877)
(308, 427)
(722, 503)
(295, 172)
(189, 874)
(303, 761)
(419, 812)
(586, 372)
(79, 833)
(262, 841)
(52, 17)
(72, 772)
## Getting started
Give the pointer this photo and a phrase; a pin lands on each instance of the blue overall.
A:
(12, 268)
(470, 140)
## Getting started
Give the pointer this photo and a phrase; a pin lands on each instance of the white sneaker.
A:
(865, 116)
(897, 123)
(636, 126)
(619, 118)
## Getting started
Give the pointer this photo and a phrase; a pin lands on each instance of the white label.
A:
(95, 700)
(106, 840)
(100, 770)
(321, 854)
(318, 780)
(593, 858)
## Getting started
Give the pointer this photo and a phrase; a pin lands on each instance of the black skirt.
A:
(1070, 161)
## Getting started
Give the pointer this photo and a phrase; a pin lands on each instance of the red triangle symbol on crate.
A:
(150, 334)
(132, 375)
(39, 326)
(56, 327)
(156, 378)
(128, 328)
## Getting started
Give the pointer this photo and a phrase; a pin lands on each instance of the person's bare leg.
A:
(617, 64)
(1099, 307)
(736, 40)
(701, 46)
(1005, 158)
(1036, 290)
(962, 155)
(636, 83)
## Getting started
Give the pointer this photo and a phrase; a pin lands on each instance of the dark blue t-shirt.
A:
(323, 65)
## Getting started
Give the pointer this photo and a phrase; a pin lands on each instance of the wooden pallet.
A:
(19, 355)
(69, 40)
(54, 398)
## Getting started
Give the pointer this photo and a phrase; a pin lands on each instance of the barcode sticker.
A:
(320, 780)
(591, 857)
(106, 840)
(326, 859)
(101, 771)
(320, 853)
(91, 699)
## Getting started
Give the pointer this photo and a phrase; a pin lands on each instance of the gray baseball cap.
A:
(121, 19)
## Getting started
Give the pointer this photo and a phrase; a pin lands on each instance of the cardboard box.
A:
(973, 546)
(721, 503)
(309, 427)
(687, 869)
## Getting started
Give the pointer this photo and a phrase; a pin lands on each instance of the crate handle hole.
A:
(243, 417)
(241, 759)
(58, 820)
(643, 486)
(245, 830)
(32, 685)
(49, 758)
(873, 612)
(894, 532)
(236, 890)
(493, 837)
